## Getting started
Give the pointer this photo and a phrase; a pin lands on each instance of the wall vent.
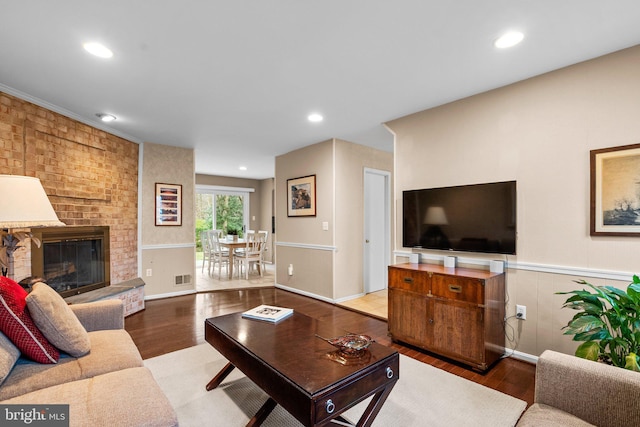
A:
(184, 279)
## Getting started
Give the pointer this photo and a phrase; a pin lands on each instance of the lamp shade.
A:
(435, 216)
(24, 203)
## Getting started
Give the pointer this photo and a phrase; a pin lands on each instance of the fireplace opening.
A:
(71, 260)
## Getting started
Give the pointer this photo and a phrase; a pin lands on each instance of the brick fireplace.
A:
(72, 260)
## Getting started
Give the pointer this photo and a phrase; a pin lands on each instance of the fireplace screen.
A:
(72, 260)
(68, 266)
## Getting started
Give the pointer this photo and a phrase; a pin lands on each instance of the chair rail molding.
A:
(168, 246)
(308, 246)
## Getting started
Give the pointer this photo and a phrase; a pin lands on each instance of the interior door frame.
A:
(366, 269)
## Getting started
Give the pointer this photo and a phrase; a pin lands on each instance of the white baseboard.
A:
(305, 293)
(169, 295)
(350, 297)
(525, 357)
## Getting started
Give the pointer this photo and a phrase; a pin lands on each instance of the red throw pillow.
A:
(17, 325)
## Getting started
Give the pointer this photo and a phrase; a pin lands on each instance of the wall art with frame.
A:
(301, 196)
(168, 206)
(615, 191)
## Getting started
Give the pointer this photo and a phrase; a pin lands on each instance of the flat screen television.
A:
(472, 218)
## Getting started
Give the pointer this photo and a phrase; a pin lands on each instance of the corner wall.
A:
(327, 264)
(168, 251)
(538, 132)
(301, 240)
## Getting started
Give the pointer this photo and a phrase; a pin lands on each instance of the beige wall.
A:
(326, 263)
(538, 132)
(169, 251)
(313, 265)
(266, 213)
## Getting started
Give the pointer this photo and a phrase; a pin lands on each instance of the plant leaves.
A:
(589, 350)
(634, 292)
(608, 321)
(583, 324)
(631, 362)
(592, 335)
(588, 307)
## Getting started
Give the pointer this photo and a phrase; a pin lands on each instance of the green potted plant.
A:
(232, 234)
(608, 323)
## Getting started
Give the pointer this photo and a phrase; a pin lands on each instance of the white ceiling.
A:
(236, 79)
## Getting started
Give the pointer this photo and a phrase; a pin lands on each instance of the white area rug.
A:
(424, 396)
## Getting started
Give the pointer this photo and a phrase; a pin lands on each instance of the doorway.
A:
(219, 208)
(377, 229)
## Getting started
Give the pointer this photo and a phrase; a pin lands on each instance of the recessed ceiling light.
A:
(243, 168)
(315, 118)
(98, 49)
(106, 117)
(509, 39)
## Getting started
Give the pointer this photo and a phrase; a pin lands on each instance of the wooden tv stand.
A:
(454, 312)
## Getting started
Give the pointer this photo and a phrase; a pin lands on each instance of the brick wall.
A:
(90, 176)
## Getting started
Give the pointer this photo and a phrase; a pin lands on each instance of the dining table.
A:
(232, 245)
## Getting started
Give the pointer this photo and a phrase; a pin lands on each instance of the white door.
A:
(376, 229)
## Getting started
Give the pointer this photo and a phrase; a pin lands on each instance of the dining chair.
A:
(247, 236)
(252, 255)
(219, 234)
(263, 235)
(220, 256)
(206, 250)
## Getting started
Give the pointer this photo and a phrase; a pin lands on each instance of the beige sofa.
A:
(571, 391)
(107, 387)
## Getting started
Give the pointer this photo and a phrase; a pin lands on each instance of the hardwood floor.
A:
(172, 324)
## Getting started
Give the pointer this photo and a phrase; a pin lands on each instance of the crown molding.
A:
(57, 109)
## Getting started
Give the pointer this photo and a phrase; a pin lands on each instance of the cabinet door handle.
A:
(455, 288)
(408, 280)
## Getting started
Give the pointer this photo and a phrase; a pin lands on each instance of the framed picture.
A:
(615, 191)
(168, 204)
(301, 196)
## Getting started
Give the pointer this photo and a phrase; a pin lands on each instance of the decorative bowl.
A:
(350, 344)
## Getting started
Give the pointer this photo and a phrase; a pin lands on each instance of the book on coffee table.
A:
(268, 313)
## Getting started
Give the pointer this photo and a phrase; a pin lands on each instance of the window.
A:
(221, 208)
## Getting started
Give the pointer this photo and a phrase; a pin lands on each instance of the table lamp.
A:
(23, 204)
(434, 237)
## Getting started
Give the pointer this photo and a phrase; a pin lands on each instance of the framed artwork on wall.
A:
(168, 204)
(615, 191)
(301, 196)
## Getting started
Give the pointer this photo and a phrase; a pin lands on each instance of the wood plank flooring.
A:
(172, 324)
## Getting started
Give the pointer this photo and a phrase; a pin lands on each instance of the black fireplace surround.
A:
(71, 260)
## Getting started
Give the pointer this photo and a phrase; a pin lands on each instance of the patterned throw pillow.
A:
(17, 325)
(56, 321)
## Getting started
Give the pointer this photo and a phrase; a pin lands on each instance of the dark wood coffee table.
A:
(299, 371)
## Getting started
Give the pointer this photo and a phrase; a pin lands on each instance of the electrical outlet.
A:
(149, 272)
(521, 312)
(290, 270)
